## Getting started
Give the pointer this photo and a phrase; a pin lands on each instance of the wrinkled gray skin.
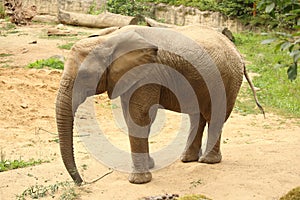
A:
(87, 65)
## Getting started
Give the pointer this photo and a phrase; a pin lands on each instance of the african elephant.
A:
(194, 70)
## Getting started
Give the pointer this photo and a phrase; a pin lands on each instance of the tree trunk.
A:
(95, 21)
(152, 23)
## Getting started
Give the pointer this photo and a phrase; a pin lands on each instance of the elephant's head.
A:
(95, 66)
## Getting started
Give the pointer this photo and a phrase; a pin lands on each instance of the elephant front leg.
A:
(141, 160)
(193, 146)
(139, 111)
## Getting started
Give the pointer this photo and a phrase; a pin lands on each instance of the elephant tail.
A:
(253, 91)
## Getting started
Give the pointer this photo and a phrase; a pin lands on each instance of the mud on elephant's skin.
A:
(205, 59)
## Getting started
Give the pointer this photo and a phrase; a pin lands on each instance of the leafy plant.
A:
(284, 13)
(6, 165)
(287, 13)
(39, 191)
(129, 7)
(237, 8)
(93, 9)
(2, 11)
(201, 5)
(67, 46)
(53, 63)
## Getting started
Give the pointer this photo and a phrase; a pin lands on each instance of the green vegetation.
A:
(134, 8)
(194, 197)
(67, 46)
(5, 55)
(41, 191)
(285, 14)
(8, 26)
(6, 165)
(276, 92)
(294, 194)
(52, 63)
(196, 183)
(93, 10)
(201, 5)
(2, 11)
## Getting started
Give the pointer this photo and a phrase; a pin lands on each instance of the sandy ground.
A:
(260, 156)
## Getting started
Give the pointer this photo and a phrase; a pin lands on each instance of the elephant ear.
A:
(109, 61)
(131, 53)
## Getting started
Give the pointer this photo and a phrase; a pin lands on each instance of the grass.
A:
(6, 165)
(8, 26)
(40, 191)
(2, 11)
(52, 63)
(5, 55)
(66, 46)
(196, 183)
(277, 94)
(194, 197)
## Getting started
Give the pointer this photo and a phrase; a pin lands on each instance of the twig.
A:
(84, 135)
(41, 129)
(97, 179)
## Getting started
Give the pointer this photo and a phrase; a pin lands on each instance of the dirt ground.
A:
(260, 156)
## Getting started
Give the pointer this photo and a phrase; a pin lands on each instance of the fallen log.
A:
(58, 32)
(153, 23)
(45, 19)
(102, 20)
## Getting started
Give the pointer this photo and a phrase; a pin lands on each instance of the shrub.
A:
(2, 11)
(53, 63)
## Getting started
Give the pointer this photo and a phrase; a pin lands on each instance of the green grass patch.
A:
(194, 197)
(63, 190)
(277, 94)
(52, 63)
(67, 46)
(8, 26)
(5, 55)
(2, 11)
(6, 165)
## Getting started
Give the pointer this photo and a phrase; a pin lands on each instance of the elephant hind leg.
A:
(193, 146)
(212, 153)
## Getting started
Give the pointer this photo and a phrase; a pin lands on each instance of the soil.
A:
(260, 156)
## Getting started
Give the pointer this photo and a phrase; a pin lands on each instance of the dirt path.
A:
(260, 156)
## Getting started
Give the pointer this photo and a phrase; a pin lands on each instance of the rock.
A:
(60, 26)
(24, 105)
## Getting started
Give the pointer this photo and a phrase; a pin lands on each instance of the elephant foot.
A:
(189, 157)
(211, 158)
(139, 178)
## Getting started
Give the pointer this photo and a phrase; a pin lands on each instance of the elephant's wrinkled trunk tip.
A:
(76, 178)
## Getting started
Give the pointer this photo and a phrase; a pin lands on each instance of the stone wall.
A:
(50, 7)
(181, 15)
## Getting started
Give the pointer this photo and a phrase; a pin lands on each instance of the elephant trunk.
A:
(64, 120)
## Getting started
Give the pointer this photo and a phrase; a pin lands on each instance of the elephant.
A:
(192, 69)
